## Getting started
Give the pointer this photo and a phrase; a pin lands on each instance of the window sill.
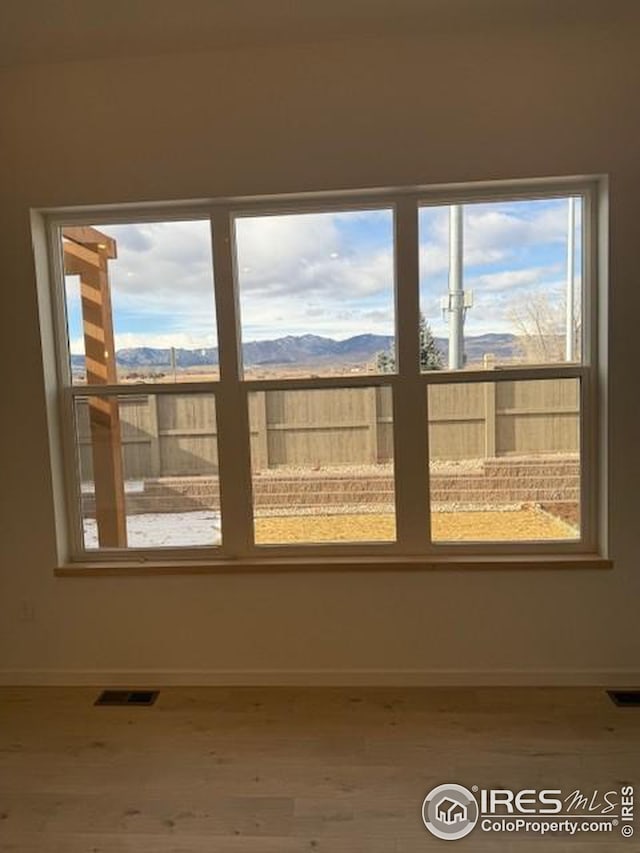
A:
(138, 568)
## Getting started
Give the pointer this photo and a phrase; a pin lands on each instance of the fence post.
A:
(372, 423)
(259, 433)
(489, 410)
(154, 435)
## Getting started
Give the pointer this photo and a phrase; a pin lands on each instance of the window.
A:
(401, 375)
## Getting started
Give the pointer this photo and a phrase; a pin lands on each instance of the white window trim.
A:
(413, 547)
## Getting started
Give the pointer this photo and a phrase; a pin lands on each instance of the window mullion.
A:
(411, 453)
(593, 488)
(72, 542)
(588, 471)
(231, 403)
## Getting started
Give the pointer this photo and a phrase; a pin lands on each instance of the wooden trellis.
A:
(87, 252)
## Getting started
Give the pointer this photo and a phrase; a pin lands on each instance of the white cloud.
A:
(163, 341)
(161, 286)
(512, 280)
(328, 274)
(434, 257)
(309, 255)
(129, 340)
(303, 273)
(519, 238)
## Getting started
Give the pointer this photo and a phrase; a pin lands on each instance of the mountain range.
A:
(302, 349)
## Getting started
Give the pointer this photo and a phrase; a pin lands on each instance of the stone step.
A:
(499, 482)
(493, 499)
(501, 470)
(478, 482)
(300, 486)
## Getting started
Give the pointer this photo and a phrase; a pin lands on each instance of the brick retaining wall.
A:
(554, 484)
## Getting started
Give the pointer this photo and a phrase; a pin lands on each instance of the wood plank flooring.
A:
(285, 770)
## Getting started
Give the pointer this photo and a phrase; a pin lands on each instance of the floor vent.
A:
(625, 698)
(127, 697)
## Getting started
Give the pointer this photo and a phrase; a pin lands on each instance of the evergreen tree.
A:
(430, 355)
(386, 361)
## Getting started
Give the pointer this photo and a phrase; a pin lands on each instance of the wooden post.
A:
(86, 254)
(489, 410)
(260, 461)
(372, 424)
(154, 433)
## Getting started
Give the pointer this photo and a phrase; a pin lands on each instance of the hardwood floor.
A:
(287, 770)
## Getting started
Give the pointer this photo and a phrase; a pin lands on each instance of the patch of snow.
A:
(164, 530)
(130, 487)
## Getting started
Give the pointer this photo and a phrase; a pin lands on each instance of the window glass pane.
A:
(140, 304)
(505, 461)
(316, 293)
(322, 464)
(148, 470)
(501, 283)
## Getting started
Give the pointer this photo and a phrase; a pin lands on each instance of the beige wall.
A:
(372, 113)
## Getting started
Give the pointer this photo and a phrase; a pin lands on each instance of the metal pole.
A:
(173, 362)
(456, 293)
(569, 329)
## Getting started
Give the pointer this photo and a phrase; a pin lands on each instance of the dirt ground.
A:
(521, 525)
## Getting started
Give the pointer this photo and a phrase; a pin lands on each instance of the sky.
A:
(328, 274)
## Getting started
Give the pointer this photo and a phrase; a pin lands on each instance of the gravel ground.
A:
(385, 469)
(157, 530)
(521, 525)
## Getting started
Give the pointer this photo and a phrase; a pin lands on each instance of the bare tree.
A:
(540, 327)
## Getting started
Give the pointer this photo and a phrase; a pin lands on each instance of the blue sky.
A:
(329, 274)
(513, 253)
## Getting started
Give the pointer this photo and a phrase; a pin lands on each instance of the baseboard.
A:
(322, 678)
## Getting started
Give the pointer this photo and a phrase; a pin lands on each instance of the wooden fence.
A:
(169, 435)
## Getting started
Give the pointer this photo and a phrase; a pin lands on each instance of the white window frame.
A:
(413, 545)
